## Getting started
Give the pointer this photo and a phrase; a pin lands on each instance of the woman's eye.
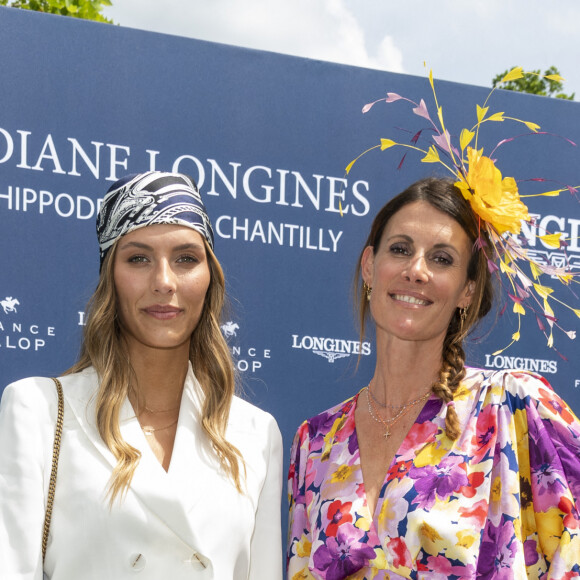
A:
(137, 259)
(443, 260)
(187, 259)
(399, 249)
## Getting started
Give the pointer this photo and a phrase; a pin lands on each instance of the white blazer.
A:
(188, 522)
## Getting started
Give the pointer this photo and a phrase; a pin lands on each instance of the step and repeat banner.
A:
(267, 137)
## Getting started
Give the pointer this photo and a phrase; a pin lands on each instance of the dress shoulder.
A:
(343, 408)
(519, 388)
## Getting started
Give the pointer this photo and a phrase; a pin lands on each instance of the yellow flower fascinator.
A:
(493, 199)
(497, 203)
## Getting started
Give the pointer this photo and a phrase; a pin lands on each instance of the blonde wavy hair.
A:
(441, 194)
(104, 349)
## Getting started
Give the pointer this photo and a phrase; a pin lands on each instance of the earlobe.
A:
(367, 262)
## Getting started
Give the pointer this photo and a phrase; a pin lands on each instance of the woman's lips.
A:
(410, 299)
(162, 312)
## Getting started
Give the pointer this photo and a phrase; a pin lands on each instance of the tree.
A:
(548, 84)
(86, 9)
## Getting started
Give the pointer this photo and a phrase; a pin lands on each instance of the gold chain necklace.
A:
(389, 422)
(161, 410)
(393, 407)
(151, 430)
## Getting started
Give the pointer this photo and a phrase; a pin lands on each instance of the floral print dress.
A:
(502, 501)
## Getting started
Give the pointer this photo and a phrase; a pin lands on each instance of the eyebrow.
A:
(410, 239)
(142, 246)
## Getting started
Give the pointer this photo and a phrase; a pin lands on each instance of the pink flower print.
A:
(419, 435)
(485, 433)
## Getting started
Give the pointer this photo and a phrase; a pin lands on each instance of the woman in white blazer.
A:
(163, 472)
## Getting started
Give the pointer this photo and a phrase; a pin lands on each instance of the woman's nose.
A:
(164, 278)
(418, 270)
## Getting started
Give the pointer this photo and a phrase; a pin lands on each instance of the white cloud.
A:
(462, 41)
(389, 56)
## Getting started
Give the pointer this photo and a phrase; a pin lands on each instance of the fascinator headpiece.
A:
(497, 204)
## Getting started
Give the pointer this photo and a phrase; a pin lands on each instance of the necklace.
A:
(389, 422)
(151, 430)
(161, 410)
(394, 407)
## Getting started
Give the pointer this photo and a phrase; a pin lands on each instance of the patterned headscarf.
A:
(147, 199)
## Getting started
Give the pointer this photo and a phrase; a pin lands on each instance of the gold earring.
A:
(367, 290)
(462, 317)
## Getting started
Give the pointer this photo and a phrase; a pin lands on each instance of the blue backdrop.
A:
(267, 137)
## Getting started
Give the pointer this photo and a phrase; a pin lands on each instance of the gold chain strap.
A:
(55, 454)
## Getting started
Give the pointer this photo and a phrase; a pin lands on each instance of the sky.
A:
(466, 41)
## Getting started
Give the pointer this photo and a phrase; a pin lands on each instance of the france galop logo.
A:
(9, 304)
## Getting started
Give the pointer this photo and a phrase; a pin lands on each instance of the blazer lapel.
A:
(194, 468)
(170, 496)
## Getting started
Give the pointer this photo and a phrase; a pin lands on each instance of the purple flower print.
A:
(438, 481)
(497, 552)
(531, 552)
(319, 426)
(353, 443)
(552, 463)
(344, 554)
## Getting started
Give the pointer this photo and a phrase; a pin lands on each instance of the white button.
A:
(198, 561)
(137, 562)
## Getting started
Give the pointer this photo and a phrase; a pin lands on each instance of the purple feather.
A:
(422, 111)
(392, 97)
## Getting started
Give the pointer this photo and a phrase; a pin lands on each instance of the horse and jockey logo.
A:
(229, 329)
(9, 304)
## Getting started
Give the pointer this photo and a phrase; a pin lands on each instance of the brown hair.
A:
(104, 349)
(442, 194)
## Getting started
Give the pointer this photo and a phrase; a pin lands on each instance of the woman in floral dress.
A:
(435, 470)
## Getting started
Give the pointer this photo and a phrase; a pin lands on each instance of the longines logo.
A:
(331, 348)
(18, 335)
(543, 252)
(245, 358)
(537, 365)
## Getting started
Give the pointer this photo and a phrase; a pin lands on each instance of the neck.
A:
(404, 370)
(159, 377)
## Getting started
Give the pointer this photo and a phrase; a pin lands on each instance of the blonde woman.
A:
(163, 470)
